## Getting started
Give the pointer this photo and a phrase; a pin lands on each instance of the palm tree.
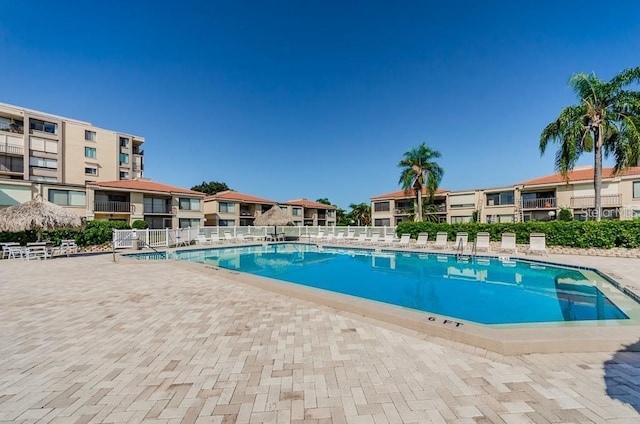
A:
(420, 171)
(607, 120)
(361, 213)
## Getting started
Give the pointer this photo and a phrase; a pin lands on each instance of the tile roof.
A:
(144, 185)
(240, 197)
(402, 194)
(308, 204)
(582, 174)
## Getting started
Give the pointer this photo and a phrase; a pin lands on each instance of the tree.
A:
(420, 171)
(360, 213)
(324, 201)
(211, 187)
(607, 121)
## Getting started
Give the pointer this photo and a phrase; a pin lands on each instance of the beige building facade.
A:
(539, 199)
(96, 173)
(231, 208)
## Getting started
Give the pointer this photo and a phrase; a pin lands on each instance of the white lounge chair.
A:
(374, 239)
(389, 240)
(202, 239)
(441, 240)
(361, 239)
(422, 240)
(229, 238)
(537, 243)
(508, 243)
(483, 241)
(405, 240)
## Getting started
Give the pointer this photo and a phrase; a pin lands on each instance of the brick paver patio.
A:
(84, 339)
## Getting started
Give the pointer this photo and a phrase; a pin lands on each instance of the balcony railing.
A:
(11, 169)
(15, 128)
(11, 149)
(606, 200)
(544, 203)
(163, 210)
(403, 211)
(126, 207)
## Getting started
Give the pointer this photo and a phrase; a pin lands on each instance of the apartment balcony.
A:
(544, 203)
(403, 211)
(138, 166)
(606, 200)
(113, 207)
(10, 149)
(16, 128)
(322, 216)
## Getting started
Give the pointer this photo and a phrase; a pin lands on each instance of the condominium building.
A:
(94, 172)
(40, 147)
(309, 213)
(539, 199)
(229, 208)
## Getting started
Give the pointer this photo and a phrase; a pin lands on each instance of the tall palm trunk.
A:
(597, 172)
(419, 206)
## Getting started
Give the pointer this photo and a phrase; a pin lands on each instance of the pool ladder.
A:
(461, 256)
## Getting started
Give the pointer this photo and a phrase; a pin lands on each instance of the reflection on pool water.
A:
(483, 290)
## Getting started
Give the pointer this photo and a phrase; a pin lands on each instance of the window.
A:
(41, 179)
(90, 152)
(186, 204)
(43, 163)
(90, 170)
(460, 219)
(124, 142)
(460, 201)
(188, 222)
(11, 164)
(385, 222)
(42, 145)
(636, 189)
(124, 158)
(499, 218)
(89, 135)
(226, 223)
(227, 207)
(156, 205)
(67, 197)
(296, 211)
(496, 199)
(381, 207)
(124, 175)
(44, 126)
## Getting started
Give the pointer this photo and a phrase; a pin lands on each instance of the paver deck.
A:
(84, 339)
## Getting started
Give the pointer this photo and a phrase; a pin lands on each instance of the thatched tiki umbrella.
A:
(37, 214)
(274, 216)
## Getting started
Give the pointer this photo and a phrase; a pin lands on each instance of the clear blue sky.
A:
(290, 99)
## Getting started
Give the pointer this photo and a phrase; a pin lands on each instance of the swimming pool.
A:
(481, 290)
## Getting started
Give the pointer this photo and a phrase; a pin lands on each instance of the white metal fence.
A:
(123, 239)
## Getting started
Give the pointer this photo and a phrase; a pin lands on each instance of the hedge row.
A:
(583, 234)
(94, 233)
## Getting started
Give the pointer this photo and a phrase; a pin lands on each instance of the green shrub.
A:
(139, 224)
(583, 234)
(565, 215)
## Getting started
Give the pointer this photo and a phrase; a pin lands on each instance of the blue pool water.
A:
(488, 291)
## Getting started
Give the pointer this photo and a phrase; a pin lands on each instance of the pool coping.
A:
(576, 337)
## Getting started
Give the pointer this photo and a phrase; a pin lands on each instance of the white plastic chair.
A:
(422, 240)
(441, 240)
(537, 243)
(508, 243)
(483, 241)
